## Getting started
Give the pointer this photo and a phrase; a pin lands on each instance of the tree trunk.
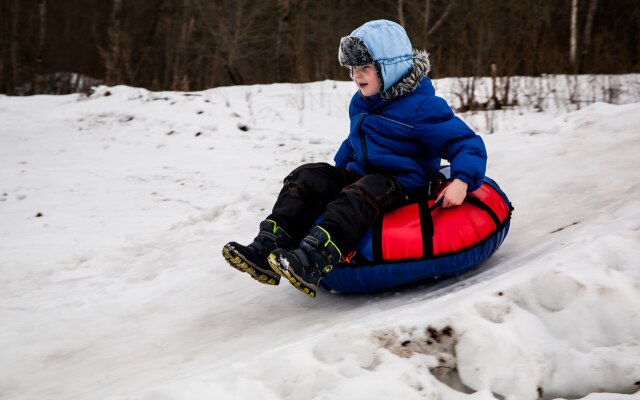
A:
(180, 80)
(442, 18)
(234, 45)
(9, 47)
(573, 47)
(588, 29)
(494, 102)
(425, 22)
(300, 60)
(401, 12)
(112, 56)
(42, 30)
(284, 10)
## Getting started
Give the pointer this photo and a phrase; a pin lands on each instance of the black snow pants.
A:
(348, 202)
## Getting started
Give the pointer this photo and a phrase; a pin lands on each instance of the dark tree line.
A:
(198, 44)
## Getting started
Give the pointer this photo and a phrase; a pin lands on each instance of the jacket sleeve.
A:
(344, 154)
(450, 138)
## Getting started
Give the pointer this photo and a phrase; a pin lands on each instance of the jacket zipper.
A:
(363, 142)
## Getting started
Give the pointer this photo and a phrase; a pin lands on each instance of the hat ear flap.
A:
(353, 52)
(379, 72)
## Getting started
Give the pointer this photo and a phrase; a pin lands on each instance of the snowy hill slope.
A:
(114, 209)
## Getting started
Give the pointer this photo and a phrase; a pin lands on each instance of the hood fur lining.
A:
(421, 67)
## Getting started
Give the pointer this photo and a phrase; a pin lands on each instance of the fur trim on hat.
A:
(353, 52)
(421, 67)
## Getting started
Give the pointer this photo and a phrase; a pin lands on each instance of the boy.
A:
(399, 133)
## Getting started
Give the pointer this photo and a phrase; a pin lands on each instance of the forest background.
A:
(68, 46)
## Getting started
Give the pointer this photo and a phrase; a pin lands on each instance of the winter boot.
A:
(305, 266)
(252, 259)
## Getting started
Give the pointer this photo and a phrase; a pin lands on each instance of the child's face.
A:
(366, 79)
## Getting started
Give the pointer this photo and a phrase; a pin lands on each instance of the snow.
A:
(114, 209)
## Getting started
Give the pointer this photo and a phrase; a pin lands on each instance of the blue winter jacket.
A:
(408, 136)
(406, 130)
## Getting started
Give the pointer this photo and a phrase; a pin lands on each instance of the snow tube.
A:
(419, 241)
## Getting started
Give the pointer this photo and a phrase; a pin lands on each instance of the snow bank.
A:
(114, 208)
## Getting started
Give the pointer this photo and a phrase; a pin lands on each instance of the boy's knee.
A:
(315, 178)
(383, 188)
(306, 171)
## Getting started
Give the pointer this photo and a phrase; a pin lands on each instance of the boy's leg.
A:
(349, 216)
(305, 194)
(346, 219)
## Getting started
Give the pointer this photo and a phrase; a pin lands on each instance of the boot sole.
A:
(278, 266)
(237, 261)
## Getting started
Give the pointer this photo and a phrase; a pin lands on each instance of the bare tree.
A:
(195, 44)
(284, 28)
(241, 38)
(588, 28)
(9, 42)
(42, 29)
(300, 61)
(401, 12)
(426, 19)
(111, 54)
(428, 30)
(179, 78)
(574, 35)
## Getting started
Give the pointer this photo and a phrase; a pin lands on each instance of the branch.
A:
(441, 19)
